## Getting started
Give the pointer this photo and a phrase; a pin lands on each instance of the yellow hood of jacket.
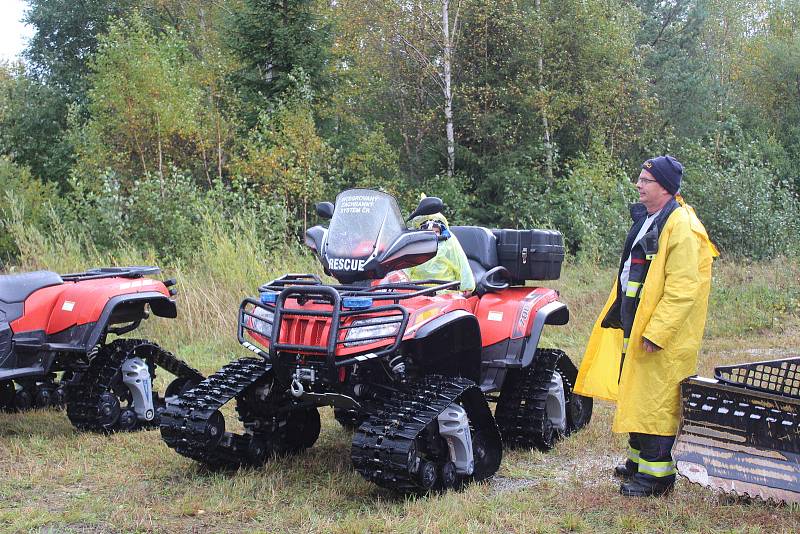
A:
(671, 314)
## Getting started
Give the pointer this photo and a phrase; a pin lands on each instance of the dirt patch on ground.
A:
(773, 354)
(587, 471)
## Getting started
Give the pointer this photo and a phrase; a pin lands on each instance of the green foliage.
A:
(675, 63)
(769, 83)
(65, 38)
(585, 89)
(163, 220)
(590, 207)
(32, 124)
(25, 200)
(180, 110)
(144, 104)
(461, 206)
(170, 224)
(283, 157)
(272, 39)
(746, 207)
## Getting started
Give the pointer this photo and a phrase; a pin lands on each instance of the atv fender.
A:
(127, 309)
(555, 313)
(449, 345)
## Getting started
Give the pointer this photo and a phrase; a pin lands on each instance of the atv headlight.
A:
(262, 322)
(363, 331)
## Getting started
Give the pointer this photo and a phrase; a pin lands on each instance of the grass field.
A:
(56, 479)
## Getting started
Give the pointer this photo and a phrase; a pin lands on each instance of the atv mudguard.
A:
(449, 345)
(128, 309)
(554, 313)
(512, 344)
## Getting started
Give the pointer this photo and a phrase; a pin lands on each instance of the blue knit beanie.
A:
(667, 171)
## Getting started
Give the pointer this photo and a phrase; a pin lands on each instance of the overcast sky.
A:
(13, 34)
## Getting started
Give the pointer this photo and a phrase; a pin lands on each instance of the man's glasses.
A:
(645, 180)
(432, 225)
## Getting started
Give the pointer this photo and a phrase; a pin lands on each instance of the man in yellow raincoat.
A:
(647, 337)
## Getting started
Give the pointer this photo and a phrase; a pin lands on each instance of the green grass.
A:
(56, 479)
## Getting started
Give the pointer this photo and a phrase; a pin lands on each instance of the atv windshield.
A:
(364, 223)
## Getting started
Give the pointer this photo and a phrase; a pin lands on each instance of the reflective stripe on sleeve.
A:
(633, 289)
(633, 454)
(625, 345)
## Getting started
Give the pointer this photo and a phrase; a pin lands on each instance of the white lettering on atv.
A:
(68, 306)
(357, 204)
(346, 264)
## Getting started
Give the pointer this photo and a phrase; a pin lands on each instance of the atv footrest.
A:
(21, 372)
(508, 363)
(739, 440)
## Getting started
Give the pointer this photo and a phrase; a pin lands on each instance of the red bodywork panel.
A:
(509, 313)
(56, 308)
(501, 316)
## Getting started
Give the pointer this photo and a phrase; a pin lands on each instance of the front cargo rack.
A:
(389, 291)
(111, 272)
(317, 332)
(780, 377)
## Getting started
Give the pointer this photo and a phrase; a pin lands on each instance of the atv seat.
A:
(480, 246)
(18, 287)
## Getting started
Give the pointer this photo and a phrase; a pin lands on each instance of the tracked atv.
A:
(409, 365)
(740, 431)
(53, 325)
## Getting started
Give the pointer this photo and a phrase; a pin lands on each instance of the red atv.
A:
(52, 324)
(409, 365)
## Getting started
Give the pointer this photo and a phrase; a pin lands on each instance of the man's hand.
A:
(649, 346)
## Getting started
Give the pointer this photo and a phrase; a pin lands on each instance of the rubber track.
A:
(32, 385)
(521, 410)
(185, 422)
(83, 396)
(349, 419)
(382, 444)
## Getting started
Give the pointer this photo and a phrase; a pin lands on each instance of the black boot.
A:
(640, 487)
(625, 470)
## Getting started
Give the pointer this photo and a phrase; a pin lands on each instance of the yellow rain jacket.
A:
(450, 262)
(671, 314)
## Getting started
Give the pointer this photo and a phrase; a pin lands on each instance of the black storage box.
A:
(531, 254)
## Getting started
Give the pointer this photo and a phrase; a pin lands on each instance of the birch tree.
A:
(427, 31)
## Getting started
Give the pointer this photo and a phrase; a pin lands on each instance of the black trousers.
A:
(650, 456)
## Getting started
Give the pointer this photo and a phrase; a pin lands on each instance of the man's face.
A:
(651, 193)
(433, 225)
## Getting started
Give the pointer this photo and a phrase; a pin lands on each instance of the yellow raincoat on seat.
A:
(671, 314)
(450, 262)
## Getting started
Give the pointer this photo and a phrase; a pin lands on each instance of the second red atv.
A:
(53, 324)
(410, 365)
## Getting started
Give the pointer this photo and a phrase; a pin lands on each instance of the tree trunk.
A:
(548, 145)
(448, 92)
(160, 156)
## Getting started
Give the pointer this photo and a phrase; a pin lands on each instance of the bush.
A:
(169, 219)
(590, 206)
(24, 200)
(746, 207)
